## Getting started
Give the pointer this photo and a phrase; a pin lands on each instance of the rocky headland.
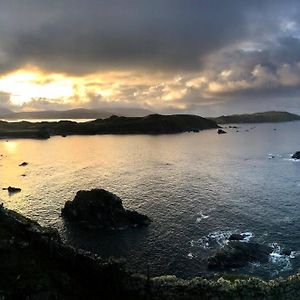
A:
(152, 124)
(36, 264)
(260, 117)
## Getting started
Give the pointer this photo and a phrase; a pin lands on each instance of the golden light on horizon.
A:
(23, 86)
(32, 88)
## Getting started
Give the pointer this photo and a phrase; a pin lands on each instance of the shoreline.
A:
(152, 124)
(36, 263)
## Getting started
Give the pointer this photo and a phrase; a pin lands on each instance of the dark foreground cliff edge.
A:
(152, 124)
(35, 264)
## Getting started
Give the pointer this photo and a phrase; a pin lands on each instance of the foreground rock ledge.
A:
(35, 264)
(99, 208)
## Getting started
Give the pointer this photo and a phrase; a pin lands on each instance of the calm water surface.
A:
(197, 187)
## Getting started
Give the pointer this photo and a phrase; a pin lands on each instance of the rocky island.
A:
(99, 208)
(151, 124)
(261, 117)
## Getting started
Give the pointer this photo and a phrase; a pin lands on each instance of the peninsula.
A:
(151, 124)
(260, 117)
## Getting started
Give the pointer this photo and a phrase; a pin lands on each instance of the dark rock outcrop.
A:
(99, 208)
(296, 155)
(12, 189)
(261, 117)
(152, 124)
(221, 131)
(238, 254)
(237, 237)
(286, 252)
(36, 264)
(23, 164)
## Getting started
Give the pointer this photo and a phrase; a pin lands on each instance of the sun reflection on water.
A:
(11, 146)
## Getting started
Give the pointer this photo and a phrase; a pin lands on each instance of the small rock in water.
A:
(221, 131)
(23, 164)
(296, 155)
(237, 255)
(286, 252)
(12, 189)
(237, 237)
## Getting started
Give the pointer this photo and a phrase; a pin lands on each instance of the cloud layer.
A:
(200, 52)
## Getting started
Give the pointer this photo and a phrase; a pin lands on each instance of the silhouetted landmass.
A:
(36, 264)
(78, 113)
(98, 209)
(261, 117)
(152, 124)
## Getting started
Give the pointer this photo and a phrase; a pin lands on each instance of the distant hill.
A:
(261, 117)
(78, 113)
(4, 111)
(151, 124)
(129, 112)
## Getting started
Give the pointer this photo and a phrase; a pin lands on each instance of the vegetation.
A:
(35, 264)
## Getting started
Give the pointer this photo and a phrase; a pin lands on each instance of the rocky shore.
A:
(36, 264)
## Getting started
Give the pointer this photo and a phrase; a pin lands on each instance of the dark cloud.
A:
(84, 36)
(246, 50)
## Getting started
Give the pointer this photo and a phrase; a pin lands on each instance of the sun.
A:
(24, 86)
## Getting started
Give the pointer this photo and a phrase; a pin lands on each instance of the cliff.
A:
(35, 264)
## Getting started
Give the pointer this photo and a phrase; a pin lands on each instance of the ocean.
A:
(198, 188)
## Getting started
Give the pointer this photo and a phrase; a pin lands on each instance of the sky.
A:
(208, 57)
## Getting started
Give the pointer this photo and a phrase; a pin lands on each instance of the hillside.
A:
(261, 117)
(36, 264)
(152, 124)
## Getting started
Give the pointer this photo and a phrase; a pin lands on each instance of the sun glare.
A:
(25, 86)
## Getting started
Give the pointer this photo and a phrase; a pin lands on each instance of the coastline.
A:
(37, 264)
(152, 124)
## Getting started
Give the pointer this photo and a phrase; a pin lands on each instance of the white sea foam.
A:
(277, 263)
(247, 236)
(280, 261)
(201, 217)
(219, 239)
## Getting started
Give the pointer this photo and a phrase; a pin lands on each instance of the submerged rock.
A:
(296, 155)
(237, 254)
(99, 208)
(221, 131)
